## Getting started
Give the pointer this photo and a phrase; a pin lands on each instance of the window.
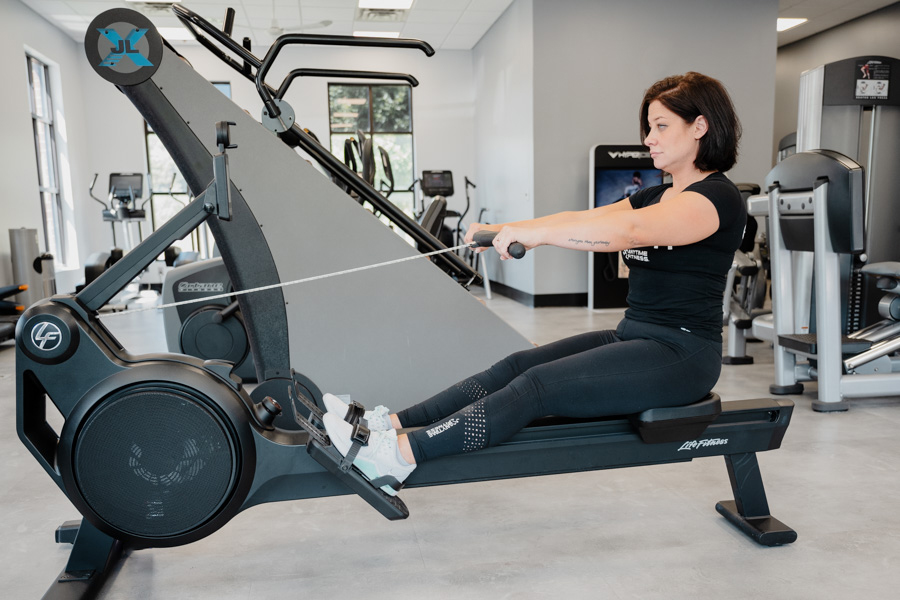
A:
(384, 113)
(47, 158)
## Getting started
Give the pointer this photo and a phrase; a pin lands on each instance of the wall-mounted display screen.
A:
(612, 185)
(616, 172)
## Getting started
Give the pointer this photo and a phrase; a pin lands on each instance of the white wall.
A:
(877, 33)
(504, 131)
(20, 28)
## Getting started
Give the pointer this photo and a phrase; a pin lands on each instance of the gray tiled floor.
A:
(647, 532)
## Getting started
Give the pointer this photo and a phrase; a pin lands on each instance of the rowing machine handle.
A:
(485, 239)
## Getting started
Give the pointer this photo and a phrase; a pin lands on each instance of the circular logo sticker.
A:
(46, 336)
(123, 46)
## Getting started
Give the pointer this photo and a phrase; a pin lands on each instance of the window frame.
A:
(371, 132)
(47, 159)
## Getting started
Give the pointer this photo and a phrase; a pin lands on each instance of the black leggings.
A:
(601, 373)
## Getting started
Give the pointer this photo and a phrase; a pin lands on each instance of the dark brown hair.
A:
(689, 96)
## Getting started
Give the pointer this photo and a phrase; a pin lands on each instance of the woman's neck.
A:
(686, 177)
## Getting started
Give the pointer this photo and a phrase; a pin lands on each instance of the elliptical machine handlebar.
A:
(91, 192)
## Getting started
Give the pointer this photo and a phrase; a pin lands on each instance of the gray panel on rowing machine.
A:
(393, 335)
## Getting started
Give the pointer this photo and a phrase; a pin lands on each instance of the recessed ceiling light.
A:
(382, 34)
(785, 24)
(386, 4)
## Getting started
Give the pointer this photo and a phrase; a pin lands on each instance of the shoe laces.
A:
(381, 443)
(378, 418)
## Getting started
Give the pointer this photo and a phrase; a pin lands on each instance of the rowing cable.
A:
(286, 283)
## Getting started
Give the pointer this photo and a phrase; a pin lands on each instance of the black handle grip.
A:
(485, 239)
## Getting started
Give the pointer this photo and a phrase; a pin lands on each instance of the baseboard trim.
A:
(539, 300)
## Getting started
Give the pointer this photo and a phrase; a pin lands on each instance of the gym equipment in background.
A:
(816, 201)
(747, 284)
(10, 311)
(614, 173)
(36, 276)
(31, 267)
(212, 330)
(437, 185)
(161, 450)
(846, 106)
(125, 191)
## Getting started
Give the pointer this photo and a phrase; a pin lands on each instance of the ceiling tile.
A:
(806, 10)
(315, 14)
(427, 31)
(498, 5)
(441, 4)
(433, 16)
(329, 3)
(459, 42)
(478, 16)
(48, 8)
(471, 29)
(93, 8)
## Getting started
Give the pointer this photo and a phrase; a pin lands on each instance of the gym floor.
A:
(648, 533)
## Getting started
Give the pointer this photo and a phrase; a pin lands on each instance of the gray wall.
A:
(877, 33)
(591, 62)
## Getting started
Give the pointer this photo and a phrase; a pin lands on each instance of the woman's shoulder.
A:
(716, 182)
(648, 195)
(724, 195)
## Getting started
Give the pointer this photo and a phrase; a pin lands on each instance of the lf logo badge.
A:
(123, 46)
(46, 336)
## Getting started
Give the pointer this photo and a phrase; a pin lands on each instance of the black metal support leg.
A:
(749, 511)
(93, 556)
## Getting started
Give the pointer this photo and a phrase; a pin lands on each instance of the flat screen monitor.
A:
(126, 186)
(437, 183)
(612, 185)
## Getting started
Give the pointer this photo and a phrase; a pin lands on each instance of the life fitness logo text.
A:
(695, 444)
(123, 46)
(46, 336)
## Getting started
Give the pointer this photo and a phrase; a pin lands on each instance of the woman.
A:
(678, 239)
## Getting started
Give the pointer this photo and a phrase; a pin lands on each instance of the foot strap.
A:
(324, 453)
(388, 480)
(355, 412)
(360, 438)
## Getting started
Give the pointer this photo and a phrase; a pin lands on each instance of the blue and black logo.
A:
(123, 46)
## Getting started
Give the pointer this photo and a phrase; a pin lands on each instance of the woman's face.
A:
(673, 142)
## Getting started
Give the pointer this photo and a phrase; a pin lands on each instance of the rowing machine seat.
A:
(677, 423)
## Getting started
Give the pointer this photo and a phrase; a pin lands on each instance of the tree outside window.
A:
(384, 113)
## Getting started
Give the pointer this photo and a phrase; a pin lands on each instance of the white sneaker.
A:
(377, 419)
(380, 458)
